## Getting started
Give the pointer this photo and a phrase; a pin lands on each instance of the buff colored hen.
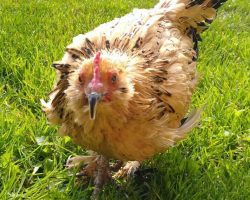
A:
(123, 88)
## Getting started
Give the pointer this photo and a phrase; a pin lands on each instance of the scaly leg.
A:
(128, 170)
(102, 175)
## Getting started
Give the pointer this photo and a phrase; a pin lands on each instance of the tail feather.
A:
(196, 14)
(190, 122)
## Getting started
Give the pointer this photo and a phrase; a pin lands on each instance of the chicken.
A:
(123, 89)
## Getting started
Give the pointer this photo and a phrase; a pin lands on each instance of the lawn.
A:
(212, 163)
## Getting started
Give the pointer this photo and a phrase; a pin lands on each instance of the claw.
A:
(116, 166)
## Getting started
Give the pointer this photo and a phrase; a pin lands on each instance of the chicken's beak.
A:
(93, 99)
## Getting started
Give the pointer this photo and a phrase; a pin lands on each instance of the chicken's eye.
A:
(114, 78)
(80, 79)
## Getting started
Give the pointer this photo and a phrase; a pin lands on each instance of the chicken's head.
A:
(99, 83)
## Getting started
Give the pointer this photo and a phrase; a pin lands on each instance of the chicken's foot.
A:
(77, 161)
(88, 164)
(128, 170)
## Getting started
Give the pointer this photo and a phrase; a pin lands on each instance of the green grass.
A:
(214, 161)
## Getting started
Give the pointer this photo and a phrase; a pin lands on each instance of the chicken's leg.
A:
(102, 175)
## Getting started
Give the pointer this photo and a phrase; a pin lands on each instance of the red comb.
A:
(96, 72)
(97, 58)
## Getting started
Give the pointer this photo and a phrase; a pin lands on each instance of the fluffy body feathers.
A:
(153, 52)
